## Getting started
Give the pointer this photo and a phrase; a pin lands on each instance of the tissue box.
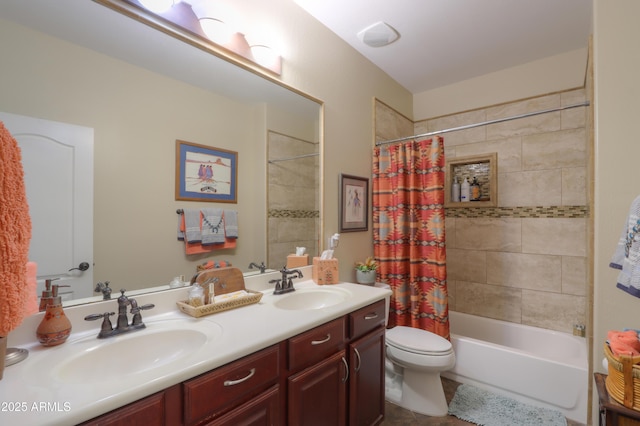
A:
(294, 261)
(325, 271)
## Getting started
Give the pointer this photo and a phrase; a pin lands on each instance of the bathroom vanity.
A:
(317, 353)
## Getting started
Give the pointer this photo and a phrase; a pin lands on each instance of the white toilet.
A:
(414, 361)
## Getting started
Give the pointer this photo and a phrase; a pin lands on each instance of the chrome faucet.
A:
(122, 324)
(285, 284)
(261, 266)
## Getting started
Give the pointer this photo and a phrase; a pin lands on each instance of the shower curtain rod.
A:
(484, 123)
(277, 160)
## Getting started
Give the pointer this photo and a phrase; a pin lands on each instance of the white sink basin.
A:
(156, 348)
(312, 298)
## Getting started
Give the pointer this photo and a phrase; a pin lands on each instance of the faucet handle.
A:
(106, 326)
(278, 284)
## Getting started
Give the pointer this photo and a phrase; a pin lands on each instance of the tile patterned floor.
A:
(397, 416)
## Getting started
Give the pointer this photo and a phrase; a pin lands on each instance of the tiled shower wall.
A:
(524, 261)
(292, 198)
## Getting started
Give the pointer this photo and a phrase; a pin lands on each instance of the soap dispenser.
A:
(47, 295)
(55, 327)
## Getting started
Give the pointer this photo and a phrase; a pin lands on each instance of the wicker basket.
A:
(220, 281)
(212, 308)
(623, 381)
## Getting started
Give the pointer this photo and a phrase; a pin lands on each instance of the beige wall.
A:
(548, 75)
(617, 90)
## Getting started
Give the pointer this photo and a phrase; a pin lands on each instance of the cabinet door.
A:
(263, 410)
(366, 383)
(317, 395)
(162, 408)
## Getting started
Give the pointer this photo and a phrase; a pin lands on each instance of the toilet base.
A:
(421, 393)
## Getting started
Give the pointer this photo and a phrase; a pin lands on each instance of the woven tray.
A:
(212, 308)
(220, 281)
(623, 381)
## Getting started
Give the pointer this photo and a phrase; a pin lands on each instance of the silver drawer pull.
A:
(346, 370)
(244, 379)
(371, 316)
(359, 359)
(319, 342)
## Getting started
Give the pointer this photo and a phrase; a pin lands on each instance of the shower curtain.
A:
(408, 232)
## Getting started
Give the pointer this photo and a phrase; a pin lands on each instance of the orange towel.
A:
(624, 342)
(15, 234)
(32, 306)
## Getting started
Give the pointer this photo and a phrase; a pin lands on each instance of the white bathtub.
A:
(533, 365)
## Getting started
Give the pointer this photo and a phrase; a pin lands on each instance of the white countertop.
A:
(31, 395)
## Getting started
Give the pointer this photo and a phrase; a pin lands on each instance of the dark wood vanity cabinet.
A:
(366, 365)
(237, 386)
(318, 376)
(346, 387)
(330, 375)
(160, 409)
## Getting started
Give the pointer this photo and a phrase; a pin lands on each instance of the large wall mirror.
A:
(140, 90)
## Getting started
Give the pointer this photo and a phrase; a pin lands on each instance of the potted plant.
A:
(366, 271)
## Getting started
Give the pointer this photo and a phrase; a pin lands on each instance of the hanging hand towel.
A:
(212, 227)
(192, 231)
(627, 255)
(15, 234)
(231, 223)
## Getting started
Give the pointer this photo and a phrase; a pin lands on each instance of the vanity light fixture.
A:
(213, 20)
(158, 6)
(264, 55)
(216, 19)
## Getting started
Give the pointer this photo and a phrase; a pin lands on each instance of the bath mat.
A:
(482, 407)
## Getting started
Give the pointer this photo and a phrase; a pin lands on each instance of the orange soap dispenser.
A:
(55, 327)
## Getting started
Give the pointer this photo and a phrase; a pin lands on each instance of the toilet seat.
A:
(418, 341)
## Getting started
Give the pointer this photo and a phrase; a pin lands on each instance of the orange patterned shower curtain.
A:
(408, 232)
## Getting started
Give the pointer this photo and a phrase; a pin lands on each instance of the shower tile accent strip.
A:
(520, 212)
(296, 214)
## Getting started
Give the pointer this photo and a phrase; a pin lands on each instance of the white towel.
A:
(626, 257)
(231, 223)
(192, 231)
(212, 227)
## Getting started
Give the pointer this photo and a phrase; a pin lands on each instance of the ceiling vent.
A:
(378, 35)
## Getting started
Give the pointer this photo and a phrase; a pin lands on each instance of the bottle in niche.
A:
(455, 190)
(475, 190)
(465, 190)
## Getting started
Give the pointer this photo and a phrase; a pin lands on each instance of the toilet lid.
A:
(418, 341)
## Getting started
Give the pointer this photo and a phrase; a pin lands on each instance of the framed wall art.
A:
(354, 202)
(205, 173)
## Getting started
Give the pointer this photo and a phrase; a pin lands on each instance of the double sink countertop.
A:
(86, 376)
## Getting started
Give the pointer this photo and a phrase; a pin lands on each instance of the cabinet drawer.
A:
(315, 345)
(212, 393)
(366, 319)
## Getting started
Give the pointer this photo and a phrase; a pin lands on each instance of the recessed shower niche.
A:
(484, 168)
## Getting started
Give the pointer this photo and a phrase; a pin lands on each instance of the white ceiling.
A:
(446, 41)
